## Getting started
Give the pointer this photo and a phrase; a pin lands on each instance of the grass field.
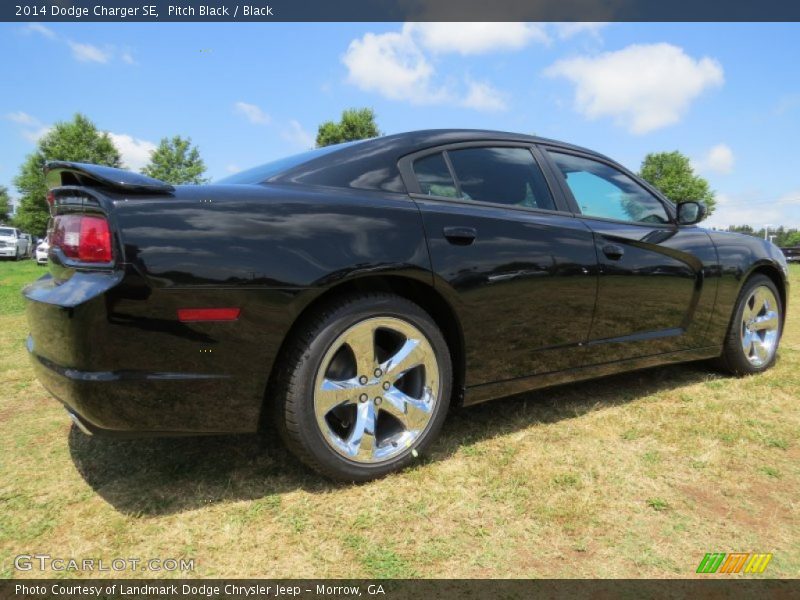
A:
(637, 475)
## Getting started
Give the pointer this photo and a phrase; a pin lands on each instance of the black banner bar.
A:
(382, 589)
(398, 10)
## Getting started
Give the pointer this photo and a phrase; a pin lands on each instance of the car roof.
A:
(375, 159)
(435, 137)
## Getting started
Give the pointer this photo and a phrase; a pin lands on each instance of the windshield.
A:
(6, 232)
(263, 172)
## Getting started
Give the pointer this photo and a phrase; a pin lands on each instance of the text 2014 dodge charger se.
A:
(352, 293)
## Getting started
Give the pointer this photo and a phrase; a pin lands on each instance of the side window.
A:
(501, 175)
(434, 176)
(602, 191)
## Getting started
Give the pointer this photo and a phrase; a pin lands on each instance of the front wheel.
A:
(755, 331)
(365, 388)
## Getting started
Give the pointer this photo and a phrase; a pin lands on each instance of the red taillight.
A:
(51, 198)
(82, 237)
(187, 315)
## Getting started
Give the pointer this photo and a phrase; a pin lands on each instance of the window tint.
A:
(501, 175)
(434, 176)
(602, 191)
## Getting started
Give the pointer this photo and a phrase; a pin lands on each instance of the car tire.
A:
(356, 426)
(751, 344)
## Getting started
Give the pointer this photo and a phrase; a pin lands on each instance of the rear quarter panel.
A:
(269, 250)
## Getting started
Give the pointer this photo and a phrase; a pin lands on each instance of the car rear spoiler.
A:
(58, 173)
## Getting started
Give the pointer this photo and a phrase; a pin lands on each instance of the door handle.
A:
(613, 251)
(460, 236)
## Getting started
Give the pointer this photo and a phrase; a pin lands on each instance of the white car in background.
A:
(14, 244)
(41, 252)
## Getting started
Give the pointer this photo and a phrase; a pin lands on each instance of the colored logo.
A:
(736, 562)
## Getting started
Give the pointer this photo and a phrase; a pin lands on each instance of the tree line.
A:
(781, 236)
(177, 161)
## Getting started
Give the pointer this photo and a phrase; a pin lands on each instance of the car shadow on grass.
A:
(157, 476)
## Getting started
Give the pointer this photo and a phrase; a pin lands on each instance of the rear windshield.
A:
(263, 172)
(5, 231)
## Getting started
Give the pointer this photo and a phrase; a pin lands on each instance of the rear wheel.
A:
(366, 387)
(752, 341)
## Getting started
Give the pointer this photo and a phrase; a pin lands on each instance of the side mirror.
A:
(691, 212)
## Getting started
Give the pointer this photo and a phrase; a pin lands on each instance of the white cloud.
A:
(34, 135)
(482, 96)
(565, 31)
(31, 128)
(40, 29)
(753, 209)
(83, 52)
(719, 159)
(23, 118)
(475, 38)
(135, 152)
(252, 113)
(393, 65)
(298, 136)
(89, 53)
(643, 87)
(233, 168)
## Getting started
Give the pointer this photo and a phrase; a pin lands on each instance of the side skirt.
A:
(491, 391)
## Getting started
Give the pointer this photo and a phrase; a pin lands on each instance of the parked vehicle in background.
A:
(41, 252)
(792, 254)
(13, 244)
(29, 243)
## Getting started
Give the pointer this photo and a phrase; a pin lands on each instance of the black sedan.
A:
(351, 294)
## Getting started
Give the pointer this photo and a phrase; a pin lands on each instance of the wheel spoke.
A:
(762, 351)
(747, 343)
(768, 320)
(335, 393)
(410, 355)
(362, 343)
(361, 441)
(411, 412)
(761, 301)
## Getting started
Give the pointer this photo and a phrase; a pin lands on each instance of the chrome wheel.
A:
(376, 389)
(760, 325)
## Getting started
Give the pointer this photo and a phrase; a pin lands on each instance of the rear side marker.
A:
(190, 315)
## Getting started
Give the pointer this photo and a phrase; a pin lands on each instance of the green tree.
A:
(355, 124)
(792, 239)
(176, 161)
(5, 204)
(672, 173)
(77, 140)
(747, 229)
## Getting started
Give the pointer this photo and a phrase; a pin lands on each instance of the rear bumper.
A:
(125, 402)
(116, 356)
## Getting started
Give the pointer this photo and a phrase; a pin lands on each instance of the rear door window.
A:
(501, 175)
(434, 177)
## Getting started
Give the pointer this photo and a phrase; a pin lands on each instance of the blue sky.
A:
(727, 95)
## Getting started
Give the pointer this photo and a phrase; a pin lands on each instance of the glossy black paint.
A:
(526, 297)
